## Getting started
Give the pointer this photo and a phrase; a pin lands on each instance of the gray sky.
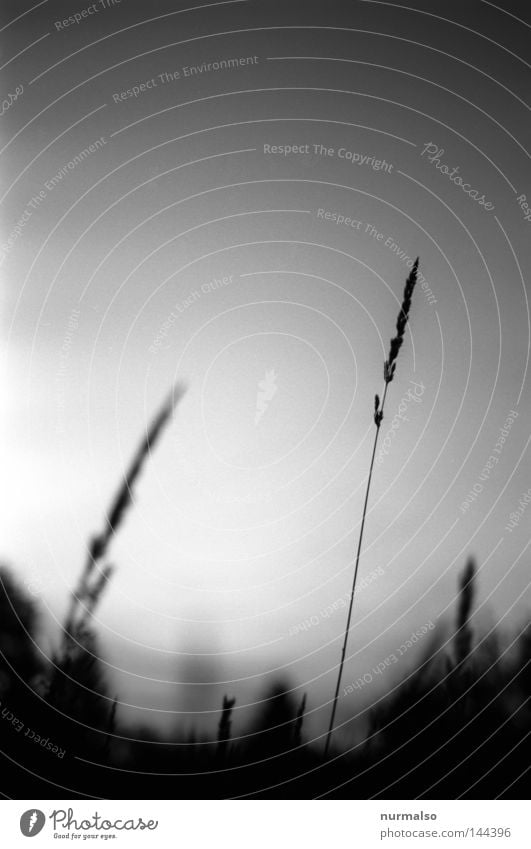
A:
(183, 246)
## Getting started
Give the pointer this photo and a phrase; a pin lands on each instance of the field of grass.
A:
(456, 726)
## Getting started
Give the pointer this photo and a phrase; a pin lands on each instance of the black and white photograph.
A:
(266, 474)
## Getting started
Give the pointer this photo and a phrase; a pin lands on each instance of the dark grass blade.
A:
(389, 373)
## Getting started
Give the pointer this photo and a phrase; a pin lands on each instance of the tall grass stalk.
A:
(93, 578)
(389, 373)
(224, 727)
(297, 732)
(463, 634)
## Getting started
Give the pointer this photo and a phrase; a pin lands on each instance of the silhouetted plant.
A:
(463, 635)
(78, 688)
(111, 727)
(224, 727)
(389, 373)
(94, 578)
(297, 730)
(276, 722)
(19, 661)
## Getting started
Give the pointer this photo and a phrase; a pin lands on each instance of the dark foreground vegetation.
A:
(457, 726)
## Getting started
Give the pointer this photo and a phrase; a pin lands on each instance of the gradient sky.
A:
(243, 530)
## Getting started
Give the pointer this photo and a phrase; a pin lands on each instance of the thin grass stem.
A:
(389, 373)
